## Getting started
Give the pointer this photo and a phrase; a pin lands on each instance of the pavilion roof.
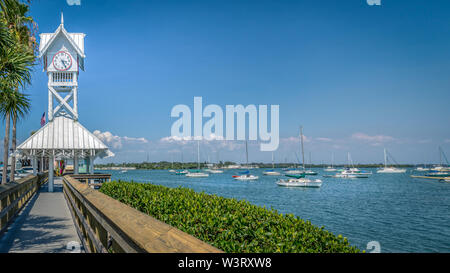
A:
(64, 137)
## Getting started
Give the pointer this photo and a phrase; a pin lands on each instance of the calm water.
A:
(402, 214)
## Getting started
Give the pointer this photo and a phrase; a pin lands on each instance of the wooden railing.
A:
(107, 225)
(13, 196)
(94, 180)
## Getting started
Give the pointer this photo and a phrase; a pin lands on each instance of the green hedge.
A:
(228, 224)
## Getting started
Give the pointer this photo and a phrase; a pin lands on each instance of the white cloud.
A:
(295, 139)
(117, 142)
(378, 139)
(73, 2)
(324, 139)
(211, 137)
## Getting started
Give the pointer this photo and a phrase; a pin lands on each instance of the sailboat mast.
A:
(332, 160)
(303, 154)
(182, 159)
(385, 158)
(246, 153)
(198, 154)
(310, 161)
(273, 165)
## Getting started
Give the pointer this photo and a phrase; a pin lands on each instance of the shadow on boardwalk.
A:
(44, 225)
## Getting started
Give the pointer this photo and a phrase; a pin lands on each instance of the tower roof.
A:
(75, 39)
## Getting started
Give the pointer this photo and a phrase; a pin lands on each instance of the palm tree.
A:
(13, 71)
(21, 27)
(12, 103)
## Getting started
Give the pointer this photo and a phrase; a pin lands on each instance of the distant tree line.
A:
(165, 165)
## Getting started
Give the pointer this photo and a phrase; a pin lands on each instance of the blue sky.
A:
(357, 77)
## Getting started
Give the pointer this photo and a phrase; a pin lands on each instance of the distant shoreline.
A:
(164, 165)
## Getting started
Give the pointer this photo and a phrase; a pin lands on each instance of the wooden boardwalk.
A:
(44, 225)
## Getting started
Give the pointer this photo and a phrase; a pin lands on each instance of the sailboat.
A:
(331, 168)
(272, 171)
(294, 170)
(197, 173)
(182, 171)
(351, 172)
(309, 172)
(422, 169)
(299, 180)
(215, 169)
(245, 176)
(440, 167)
(440, 170)
(172, 170)
(387, 169)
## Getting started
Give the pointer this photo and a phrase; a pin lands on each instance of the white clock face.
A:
(62, 61)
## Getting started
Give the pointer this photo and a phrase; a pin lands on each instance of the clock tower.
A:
(63, 58)
(63, 137)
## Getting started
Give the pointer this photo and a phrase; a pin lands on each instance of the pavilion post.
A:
(91, 165)
(75, 164)
(34, 165)
(87, 163)
(50, 173)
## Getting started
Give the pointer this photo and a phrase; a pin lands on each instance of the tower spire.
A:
(62, 18)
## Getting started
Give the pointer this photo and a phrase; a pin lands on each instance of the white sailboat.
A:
(197, 173)
(246, 176)
(272, 171)
(422, 169)
(216, 169)
(300, 180)
(294, 170)
(331, 168)
(351, 172)
(387, 169)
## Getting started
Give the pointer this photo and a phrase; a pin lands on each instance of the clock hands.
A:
(62, 61)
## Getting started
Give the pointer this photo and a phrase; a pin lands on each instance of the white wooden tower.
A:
(63, 56)
(63, 137)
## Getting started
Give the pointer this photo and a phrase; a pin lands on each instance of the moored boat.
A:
(299, 181)
(246, 176)
(197, 173)
(390, 169)
(271, 172)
